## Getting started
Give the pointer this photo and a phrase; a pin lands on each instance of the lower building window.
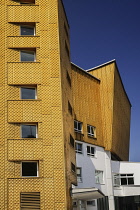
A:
(90, 151)
(91, 203)
(30, 200)
(73, 167)
(79, 174)
(78, 148)
(27, 56)
(123, 179)
(28, 93)
(98, 177)
(28, 131)
(29, 168)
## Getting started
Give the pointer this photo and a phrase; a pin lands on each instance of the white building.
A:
(117, 182)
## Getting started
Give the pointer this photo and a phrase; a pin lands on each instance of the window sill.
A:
(92, 137)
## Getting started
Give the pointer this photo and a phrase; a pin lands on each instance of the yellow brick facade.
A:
(48, 74)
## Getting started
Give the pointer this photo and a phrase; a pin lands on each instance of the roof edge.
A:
(85, 71)
(104, 64)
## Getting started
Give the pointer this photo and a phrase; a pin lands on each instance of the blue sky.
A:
(103, 30)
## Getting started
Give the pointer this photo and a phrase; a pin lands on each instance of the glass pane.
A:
(88, 128)
(122, 174)
(25, 30)
(27, 93)
(79, 147)
(29, 168)
(129, 174)
(28, 131)
(27, 56)
(92, 150)
(130, 180)
(75, 124)
(123, 181)
(79, 126)
(91, 130)
(88, 149)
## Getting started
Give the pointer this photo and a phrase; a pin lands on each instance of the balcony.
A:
(21, 111)
(18, 13)
(23, 41)
(24, 73)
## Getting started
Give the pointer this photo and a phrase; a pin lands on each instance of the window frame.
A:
(28, 124)
(78, 151)
(28, 51)
(121, 176)
(99, 180)
(91, 203)
(31, 162)
(90, 153)
(28, 26)
(28, 88)
(76, 129)
(79, 178)
(90, 134)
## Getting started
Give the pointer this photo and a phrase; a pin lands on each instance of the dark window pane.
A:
(91, 130)
(123, 174)
(28, 131)
(27, 56)
(27, 93)
(79, 126)
(92, 150)
(130, 181)
(75, 124)
(29, 168)
(25, 30)
(88, 129)
(129, 174)
(123, 181)
(88, 149)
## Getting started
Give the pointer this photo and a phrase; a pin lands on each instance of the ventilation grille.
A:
(30, 201)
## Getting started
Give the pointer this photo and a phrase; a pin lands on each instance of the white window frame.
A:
(28, 124)
(90, 133)
(27, 52)
(78, 151)
(100, 181)
(28, 26)
(90, 153)
(31, 162)
(31, 88)
(118, 177)
(76, 129)
(79, 178)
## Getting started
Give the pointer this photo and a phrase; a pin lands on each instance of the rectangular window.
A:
(78, 148)
(98, 177)
(77, 126)
(91, 203)
(73, 167)
(79, 174)
(28, 93)
(123, 179)
(27, 56)
(30, 200)
(72, 140)
(90, 151)
(27, 30)
(28, 131)
(91, 130)
(29, 168)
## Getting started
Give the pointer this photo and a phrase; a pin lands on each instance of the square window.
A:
(91, 203)
(91, 130)
(27, 56)
(77, 126)
(78, 148)
(27, 30)
(98, 177)
(90, 151)
(28, 131)
(79, 174)
(28, 93)
(29, 168)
